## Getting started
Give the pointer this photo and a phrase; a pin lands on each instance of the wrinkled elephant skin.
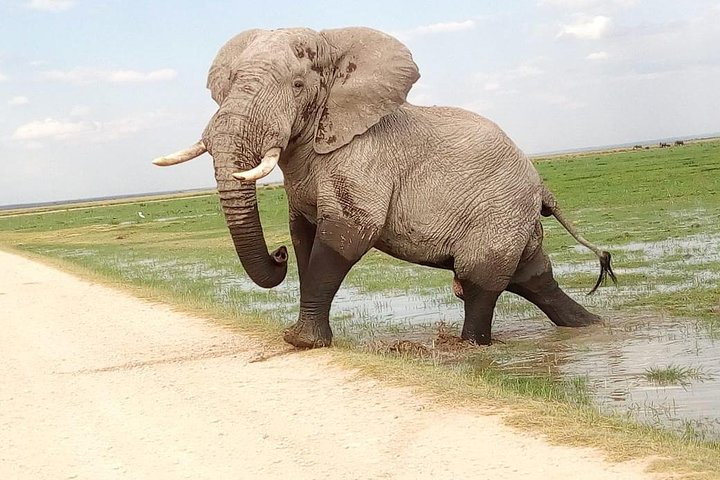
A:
(363, 168)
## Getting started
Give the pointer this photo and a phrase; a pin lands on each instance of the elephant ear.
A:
(373, 75)
(220, 74)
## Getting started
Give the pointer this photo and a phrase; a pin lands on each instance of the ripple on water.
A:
(614, 358)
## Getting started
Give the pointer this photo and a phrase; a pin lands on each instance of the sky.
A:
(92, 91)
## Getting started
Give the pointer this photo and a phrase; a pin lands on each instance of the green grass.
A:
(674, 375)
(659, 198)
(651, 208)
(615, 199)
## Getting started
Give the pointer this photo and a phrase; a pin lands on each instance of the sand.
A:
(97, 384)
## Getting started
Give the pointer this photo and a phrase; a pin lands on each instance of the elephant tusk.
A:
(266, 166)
(195, 150)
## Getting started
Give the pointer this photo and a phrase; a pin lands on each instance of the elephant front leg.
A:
(337, 247)
(302, 233)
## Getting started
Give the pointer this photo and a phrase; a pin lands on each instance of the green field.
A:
(630, 202)
(656, 210)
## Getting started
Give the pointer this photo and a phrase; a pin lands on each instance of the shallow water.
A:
(616, 367)
(614, 358)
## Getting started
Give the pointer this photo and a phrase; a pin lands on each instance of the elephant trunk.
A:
(239, 203)
(246, 137)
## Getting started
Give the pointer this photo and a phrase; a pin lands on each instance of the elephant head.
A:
(279, 90)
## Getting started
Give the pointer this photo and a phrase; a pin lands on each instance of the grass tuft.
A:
(675, 375)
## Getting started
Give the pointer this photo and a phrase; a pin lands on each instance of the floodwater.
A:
(614, 358)
(617, 360)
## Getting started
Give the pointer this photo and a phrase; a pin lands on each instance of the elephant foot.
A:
(561, 309)
(308, 335)
(578, 318)
(474, 339)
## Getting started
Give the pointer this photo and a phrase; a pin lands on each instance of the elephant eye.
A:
(298, 84)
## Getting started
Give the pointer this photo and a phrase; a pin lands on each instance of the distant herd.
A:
(678, 143)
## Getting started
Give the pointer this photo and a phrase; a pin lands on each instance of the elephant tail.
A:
(551, 208)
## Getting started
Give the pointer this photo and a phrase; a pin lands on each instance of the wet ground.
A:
(616, 360)
(619, 360)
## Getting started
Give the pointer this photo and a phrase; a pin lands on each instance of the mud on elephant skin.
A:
(364, 169)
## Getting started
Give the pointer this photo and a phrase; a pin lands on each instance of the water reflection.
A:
(614, 358)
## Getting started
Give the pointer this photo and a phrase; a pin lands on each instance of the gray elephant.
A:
(435, 186)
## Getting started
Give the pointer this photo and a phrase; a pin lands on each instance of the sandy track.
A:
(96, 384)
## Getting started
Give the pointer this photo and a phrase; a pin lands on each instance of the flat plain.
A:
(651, 371)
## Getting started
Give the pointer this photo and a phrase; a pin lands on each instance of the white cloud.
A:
(499, 80)
(587, 28)
(654, 48)
(126, 127)
(85, 75)
(50, 5)
(577, 5)
(434, 28)
(53, 129)
(560, 100)
(523, 71)
(80, 111)
(32, 134)
(3, 78)
(32, 145)
(18, 100)
(597, 56)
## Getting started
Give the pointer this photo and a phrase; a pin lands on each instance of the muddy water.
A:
(614, 358)
(617, 359)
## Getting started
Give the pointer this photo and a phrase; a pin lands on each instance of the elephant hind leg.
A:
(480, 278)
(534, 281)
(479, 309)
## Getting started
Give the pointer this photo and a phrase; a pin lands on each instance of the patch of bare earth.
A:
(97, 384)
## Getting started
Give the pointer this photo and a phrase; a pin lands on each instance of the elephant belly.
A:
(411, 248)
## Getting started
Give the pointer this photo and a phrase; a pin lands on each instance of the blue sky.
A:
(91, 91)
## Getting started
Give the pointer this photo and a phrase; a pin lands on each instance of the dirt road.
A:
(96, 384)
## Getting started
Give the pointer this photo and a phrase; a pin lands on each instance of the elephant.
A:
(363, 168)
